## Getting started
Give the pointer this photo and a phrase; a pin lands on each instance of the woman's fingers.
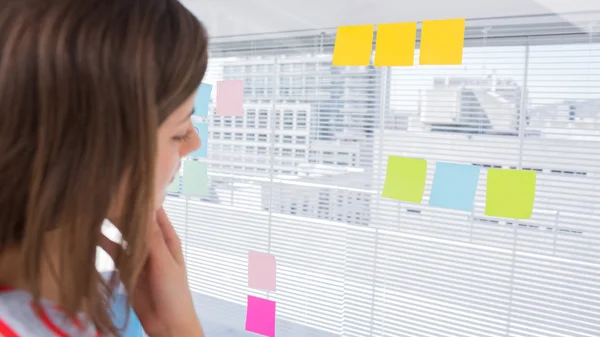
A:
(170, 236)
(163, 243)
(157, 246)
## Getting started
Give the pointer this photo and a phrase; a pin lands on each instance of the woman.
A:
(95, 105)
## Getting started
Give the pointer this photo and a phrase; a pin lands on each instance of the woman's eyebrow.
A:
(188, 116)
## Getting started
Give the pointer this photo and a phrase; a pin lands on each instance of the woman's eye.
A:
(182, 138)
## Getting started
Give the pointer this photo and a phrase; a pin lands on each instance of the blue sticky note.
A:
(454, 186)
(202, 100)
(202, 129)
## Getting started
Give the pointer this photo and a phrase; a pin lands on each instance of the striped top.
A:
(19, 318)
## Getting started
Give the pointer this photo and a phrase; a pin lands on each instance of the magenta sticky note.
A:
(260, 316)
(230, 98)
(262, 271)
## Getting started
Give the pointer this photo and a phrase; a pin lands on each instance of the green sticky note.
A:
(174, 186)
(510, 193)
(405, 179)
(195, 178)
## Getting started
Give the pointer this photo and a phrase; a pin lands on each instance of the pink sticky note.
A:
(230, 98)
(260, 316)
(262, 271)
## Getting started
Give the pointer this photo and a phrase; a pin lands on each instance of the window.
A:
(526, 98)
(278, 119)
(251, 118)
(218, 121)
(263, 119)
(262, 68)
(239, 136)
(288, 119)
(301, 120)
(286, 68)
(284, 85)
(310, 85)
(269, 84)
(251, 137)
(297, 85)
(239, 122)
(227, 122)
(228, 70)
(227, 136)
(260, 84)
(216, 135)
(248, 85)
(297, 67)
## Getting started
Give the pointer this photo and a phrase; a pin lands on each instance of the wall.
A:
(241, 17)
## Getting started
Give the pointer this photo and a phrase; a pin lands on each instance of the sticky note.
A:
(442, 42)
(262, 271)
(454, 186)
(195, 178)
(202, 130)
(395, 44)
(260, 316)
(353, 45)
(174, 185)
(405, 179)
(202, 100)
(510, 193)
(230, 98)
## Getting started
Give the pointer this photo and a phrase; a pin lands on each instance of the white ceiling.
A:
(241, 17)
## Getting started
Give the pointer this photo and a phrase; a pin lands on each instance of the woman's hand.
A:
(162, 299)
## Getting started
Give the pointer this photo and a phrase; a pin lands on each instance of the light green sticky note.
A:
(195, 178)
(405, 179)
(174, 186)
(510, 193)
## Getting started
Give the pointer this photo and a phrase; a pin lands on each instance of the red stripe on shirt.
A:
(75, 319)
(48, 322)
(6, 331)
(5, 288)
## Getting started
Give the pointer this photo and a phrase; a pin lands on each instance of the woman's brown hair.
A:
(84, 86)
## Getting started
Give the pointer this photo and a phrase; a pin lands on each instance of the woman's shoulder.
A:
(19, 317)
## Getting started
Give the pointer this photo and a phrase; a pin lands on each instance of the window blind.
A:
(300, 176)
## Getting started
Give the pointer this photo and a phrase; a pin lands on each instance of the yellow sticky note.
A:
(510, 193)
(442, 42)
(395, 44)
(405, 179)
(353, 45)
